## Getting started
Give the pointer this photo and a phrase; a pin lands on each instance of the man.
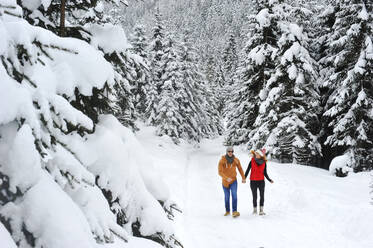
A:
(227, 170)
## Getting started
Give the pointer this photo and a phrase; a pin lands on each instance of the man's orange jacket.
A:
(229, 170)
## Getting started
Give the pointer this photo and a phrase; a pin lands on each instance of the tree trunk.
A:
(62, 20)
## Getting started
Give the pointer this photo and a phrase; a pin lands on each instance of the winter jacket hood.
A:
(259, 161)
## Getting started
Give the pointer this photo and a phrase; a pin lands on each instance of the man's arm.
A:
(240, 170)
(220, 169)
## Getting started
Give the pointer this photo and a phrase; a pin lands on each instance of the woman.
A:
(258, 166)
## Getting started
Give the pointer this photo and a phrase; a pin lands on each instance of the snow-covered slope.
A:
(306, 206)
(6, 239)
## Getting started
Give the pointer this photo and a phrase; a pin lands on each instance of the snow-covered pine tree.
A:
(215, 79)
(326, 20)
(218, 87)
(196, 105)
(49, 131)
(139, 41)
(41, 176)
(169, 120)
(140, 45)
(214, 119)
(230, 60)
(97, 30)
(156, 51)
(66, 17)
(88, 21)
(152, 101)
(256, 67)
(210, 70)
(350, 105)
(304, 13)
(324, 28)
(287, 124)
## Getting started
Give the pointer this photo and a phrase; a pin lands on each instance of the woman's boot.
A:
(261, 211)
(255, 211)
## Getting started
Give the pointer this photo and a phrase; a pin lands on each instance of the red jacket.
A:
(257, 171)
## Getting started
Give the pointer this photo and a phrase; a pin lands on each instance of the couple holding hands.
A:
(227, 170)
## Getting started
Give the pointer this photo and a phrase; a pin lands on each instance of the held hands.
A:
(243, 180)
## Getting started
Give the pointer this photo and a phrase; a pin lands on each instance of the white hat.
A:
(261, 152)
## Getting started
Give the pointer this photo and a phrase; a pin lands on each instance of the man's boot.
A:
(236, 214)
(227, 213)
(261, 211)
(255, 211)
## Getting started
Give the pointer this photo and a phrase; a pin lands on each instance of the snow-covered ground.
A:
(306, 206)
(5, 238)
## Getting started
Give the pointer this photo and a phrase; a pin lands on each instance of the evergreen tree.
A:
(124, 63)
(72, 112)
(254, 70)
(53, 15)
(142, 68)
(326, 21)
(219, 89)
(86, 21)
(185, 110)
(324, 28)
(287, 124)
(152, 101)
(169, 120)
(230, 60)
(214, 125)
(229, 67)
(139, 42)
(210, 70)
(156, 51)
(36, 135)
(196, 105)
(350, 105)
(216, 82)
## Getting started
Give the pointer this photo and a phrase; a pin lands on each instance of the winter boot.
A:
(255, 211)
(261, 211)
(227, 213)
(235, 214)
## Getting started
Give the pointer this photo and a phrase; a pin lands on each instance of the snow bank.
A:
(340, 166)
(6, 239)
(133, 243)
(109, 38)
(44, 209)
(114, 155)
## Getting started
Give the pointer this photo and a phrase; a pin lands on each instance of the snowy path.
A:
(306, 207)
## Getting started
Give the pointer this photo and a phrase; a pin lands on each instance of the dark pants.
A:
(255, 185)
(227, 192)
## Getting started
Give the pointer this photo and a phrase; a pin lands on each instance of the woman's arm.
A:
(265, 173)
(248, 169)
